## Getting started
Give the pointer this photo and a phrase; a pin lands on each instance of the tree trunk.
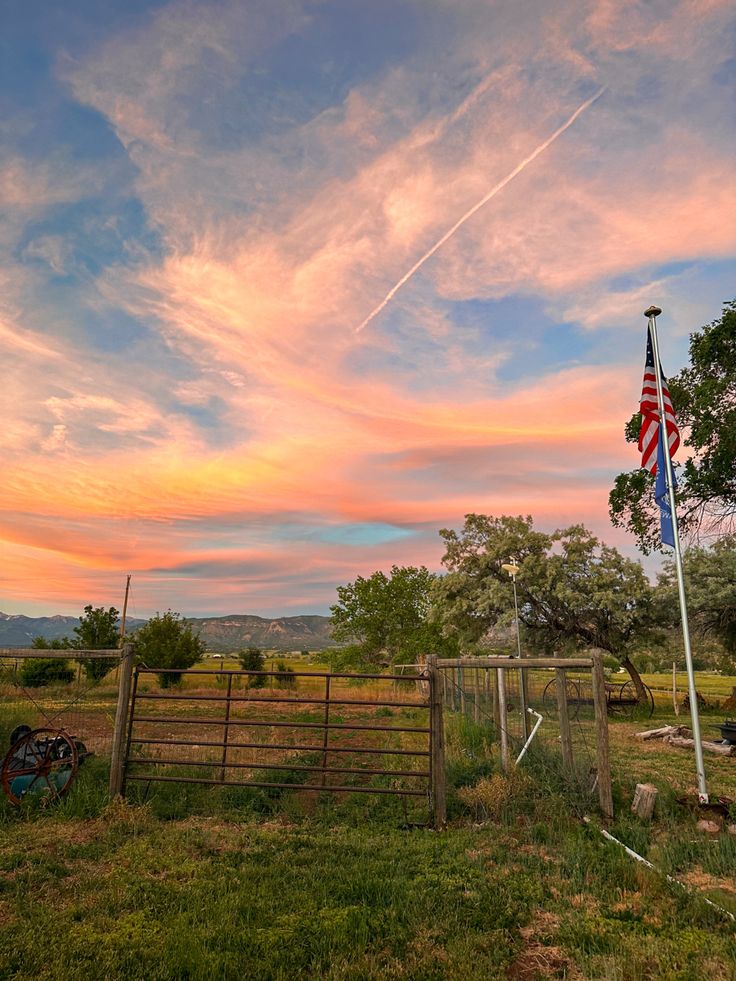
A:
(635, 677)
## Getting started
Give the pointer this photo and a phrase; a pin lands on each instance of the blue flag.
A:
(662, 497)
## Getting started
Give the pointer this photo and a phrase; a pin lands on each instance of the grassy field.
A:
(211, 883)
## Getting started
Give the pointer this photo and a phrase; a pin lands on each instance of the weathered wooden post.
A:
(503, 719)
(605, 792)
(562, 710)
(117, 761)
(496, 701)
(437, 745)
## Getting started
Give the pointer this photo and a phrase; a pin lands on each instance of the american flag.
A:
(649, 432)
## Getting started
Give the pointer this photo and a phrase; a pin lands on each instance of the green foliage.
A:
(285, 676)
(387, 617)
(711, 591)
(573, 590)
(251, 659)
(36, 672)
(166, 641)
(97, 630)
(704, 398)
(58, 644)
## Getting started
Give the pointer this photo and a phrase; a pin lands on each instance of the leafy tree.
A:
(711, 592)
(98, 630)
(704, 398)
(167, 641)
(251, 659)
(574, 591)
(387, 617)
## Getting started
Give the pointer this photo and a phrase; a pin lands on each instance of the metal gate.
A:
(215, 728)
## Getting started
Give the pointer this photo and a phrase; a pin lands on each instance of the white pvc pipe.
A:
(537, 724)
(669, 878)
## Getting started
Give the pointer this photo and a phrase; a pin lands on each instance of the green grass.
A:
(200, 882)
(129, 894)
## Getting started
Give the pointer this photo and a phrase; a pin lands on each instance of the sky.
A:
(286, 286)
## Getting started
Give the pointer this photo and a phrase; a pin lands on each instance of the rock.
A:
(710, 827)
(731, 829)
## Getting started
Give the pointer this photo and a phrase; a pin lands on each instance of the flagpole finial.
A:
(652, 312)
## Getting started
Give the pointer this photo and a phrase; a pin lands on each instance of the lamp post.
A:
(512, 569)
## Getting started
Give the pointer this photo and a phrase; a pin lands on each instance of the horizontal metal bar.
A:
(300, 748)
(294, 701)
(171, 720)
(140, 760)
(397, 792)
(277, 674)
(63, 654)
(515, 662)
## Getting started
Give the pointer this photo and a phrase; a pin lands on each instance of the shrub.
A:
(285, 676)
(251, 659)
(167, 642)
(39, 671)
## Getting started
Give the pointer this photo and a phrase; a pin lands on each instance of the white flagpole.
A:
(652, 313)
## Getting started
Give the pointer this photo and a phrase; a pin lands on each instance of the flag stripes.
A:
(649, 432)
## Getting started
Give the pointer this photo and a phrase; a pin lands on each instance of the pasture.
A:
(188, 881)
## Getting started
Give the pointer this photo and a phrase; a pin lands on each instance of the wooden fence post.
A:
(437, 746)
(562, 709)
(117, 761)
(503, 719)
(605, 792)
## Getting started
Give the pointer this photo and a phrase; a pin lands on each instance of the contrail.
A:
(476, 207)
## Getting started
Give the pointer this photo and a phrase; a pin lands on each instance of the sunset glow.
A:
(201, 202)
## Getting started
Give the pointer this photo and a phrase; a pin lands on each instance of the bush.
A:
(251, 659)
(167, 642)
(39, 671)
(285, 676)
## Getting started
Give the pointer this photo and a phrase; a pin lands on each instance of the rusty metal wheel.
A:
(574, 698)
(42, 763)
(633, 705)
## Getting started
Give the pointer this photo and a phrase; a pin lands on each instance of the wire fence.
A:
(69, 690)
(517, 711)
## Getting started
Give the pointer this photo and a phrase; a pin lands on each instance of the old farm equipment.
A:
(40, 763)
(620, 699)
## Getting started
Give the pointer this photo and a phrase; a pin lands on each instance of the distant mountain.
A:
(227, 633)
(17, 630)
(311, 633)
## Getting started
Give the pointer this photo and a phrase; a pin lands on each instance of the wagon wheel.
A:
(644, 706)
(42, 762)
(572, 690)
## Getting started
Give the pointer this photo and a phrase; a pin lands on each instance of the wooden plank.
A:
(69, 654)
(569, 663)
(605, 790)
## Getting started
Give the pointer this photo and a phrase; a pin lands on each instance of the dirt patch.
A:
(698, 879)
(539, 959)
